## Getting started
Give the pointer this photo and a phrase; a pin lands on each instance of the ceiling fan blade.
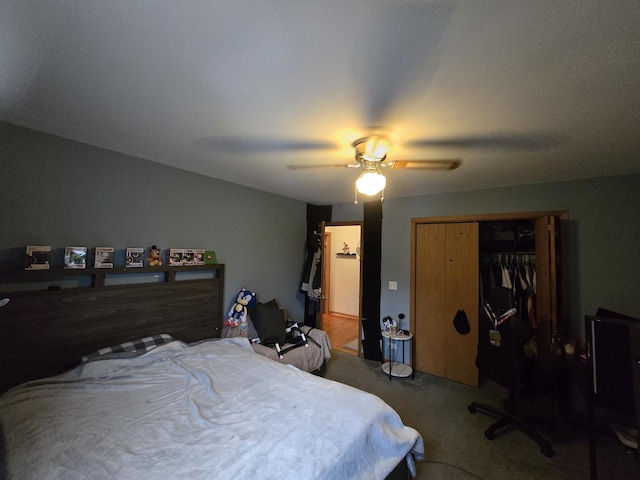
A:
(440, 164)
(250, 144)
(322, 165)
(510, 142)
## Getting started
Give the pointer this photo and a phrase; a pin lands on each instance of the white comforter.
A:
(215, 410)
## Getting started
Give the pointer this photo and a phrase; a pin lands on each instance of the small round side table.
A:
(398, 369)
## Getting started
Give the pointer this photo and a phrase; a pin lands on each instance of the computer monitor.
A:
(609, 346)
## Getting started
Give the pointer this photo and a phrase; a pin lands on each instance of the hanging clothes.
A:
(515, 271)
(312, 272)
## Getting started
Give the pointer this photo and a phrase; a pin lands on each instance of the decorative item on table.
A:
(238, 312)
(345, 248)
(154, 259)
(198, 256)
(210, 257)
(75, 257)
(134, 257)
(389, 325)
(103, 257)
(175, 257)
(189, 256)
(37, 257)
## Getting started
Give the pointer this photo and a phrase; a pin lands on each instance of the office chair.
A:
(501, 359)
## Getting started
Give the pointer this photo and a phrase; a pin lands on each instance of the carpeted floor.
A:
(456, 448)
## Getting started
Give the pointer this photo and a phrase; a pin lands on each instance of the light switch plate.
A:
(393, 285)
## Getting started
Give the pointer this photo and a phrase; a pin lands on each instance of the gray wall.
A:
(58, 192)
(62, 193)
(604, 234)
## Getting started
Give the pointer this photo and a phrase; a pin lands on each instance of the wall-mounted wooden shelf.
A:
(98, 275)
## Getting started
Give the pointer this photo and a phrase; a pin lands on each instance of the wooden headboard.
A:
(45, 332)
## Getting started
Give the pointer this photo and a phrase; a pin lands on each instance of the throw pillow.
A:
(270, 323)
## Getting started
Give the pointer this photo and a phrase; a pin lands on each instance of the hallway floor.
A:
(342, 331)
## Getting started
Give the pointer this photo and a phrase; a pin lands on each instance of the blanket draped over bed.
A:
(214, 409)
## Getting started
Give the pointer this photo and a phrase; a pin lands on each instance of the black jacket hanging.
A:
(312, 275)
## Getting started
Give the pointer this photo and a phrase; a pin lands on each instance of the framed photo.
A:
(198, 256)
(135, 257)
(75, 257)
(103, 257)
(175, 257)
(37, 257)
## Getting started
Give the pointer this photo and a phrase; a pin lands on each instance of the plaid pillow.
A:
(142, 345)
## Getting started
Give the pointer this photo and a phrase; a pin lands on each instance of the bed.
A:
(191, 406)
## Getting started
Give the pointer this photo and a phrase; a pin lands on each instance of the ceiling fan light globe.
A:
(370, 183)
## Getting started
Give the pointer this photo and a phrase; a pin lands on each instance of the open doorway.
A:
(341, 286)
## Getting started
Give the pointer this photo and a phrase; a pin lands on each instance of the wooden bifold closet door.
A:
(446, 280)
(547, 291)
(446, 277)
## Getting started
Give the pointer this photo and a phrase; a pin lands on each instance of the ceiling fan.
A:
(373, 149)
(371, 157)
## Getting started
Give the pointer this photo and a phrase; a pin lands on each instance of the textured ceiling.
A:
(522, 92)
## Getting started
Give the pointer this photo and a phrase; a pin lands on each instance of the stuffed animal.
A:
(238, 311)
(154, 257)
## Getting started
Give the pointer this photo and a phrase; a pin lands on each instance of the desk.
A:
(393, 368)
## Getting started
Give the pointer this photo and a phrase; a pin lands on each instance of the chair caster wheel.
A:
(472, 409)
(489, 434)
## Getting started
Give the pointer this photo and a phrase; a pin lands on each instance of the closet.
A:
(456, 260)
